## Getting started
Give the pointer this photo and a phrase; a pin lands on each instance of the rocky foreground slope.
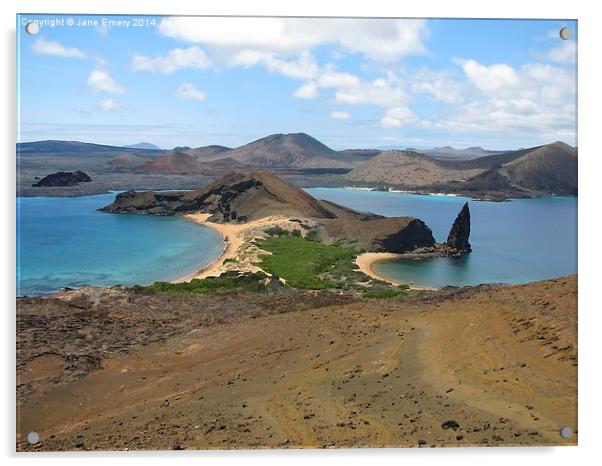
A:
(240, 198)
(116, 370)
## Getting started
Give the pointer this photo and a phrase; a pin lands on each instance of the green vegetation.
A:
(303, 262)
(309, 264)
(276, 231)
(225, 282)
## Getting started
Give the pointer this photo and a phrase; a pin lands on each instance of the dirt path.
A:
(376, 373)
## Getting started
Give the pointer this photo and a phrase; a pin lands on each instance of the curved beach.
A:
(239, 252)
(366, 260)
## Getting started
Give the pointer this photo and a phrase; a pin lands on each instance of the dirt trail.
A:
(499, 361)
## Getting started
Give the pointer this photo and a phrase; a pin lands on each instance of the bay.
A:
(67, 242)
(517, 241)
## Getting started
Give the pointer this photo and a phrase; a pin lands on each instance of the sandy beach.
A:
(366, 260)
(239, 253)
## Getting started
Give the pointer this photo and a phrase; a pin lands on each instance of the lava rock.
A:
(451, 424)
(457, 240)
(60, 179)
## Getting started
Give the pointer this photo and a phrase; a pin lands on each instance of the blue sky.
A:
(352, 83)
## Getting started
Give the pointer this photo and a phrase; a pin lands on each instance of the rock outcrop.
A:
(457, 240)
(60, 179)
(234, 198)
(385, 234)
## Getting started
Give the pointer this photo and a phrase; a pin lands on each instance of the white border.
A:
(590, 138)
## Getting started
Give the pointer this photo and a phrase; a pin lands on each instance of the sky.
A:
(351, 83)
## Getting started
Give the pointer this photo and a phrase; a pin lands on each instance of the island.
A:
(62, 179)
(289, 339)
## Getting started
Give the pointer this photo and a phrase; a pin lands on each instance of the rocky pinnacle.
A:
(457, 240)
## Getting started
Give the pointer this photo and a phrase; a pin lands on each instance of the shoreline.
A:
(366, 260)
(237, 239)
(238, 236)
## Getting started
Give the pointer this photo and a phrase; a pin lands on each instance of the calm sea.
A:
(513, 242)
(67, 242)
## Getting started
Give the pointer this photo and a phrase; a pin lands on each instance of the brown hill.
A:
(236, 197)
(548, 169)
(357, 157)
(176, 163)
(126, 160)
(410, 169)
(297, 150)
(222, 166)
(551, 168)
(207, 153)
(241, 198)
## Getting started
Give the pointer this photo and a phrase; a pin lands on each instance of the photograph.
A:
(285, 232)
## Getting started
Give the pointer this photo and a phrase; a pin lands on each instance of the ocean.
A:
(66, 242)
(516, 241)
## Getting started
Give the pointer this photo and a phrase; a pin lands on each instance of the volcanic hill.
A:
(548, 169)
(240, 198)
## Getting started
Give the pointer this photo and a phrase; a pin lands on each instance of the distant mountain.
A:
(221, 166)
(549, 169)
(449, 153)
(410, 169)
(359, 156)
(126, 161)
(174, 163)
(208, 152)
(52, 147)
(143, 145)
(296, 150)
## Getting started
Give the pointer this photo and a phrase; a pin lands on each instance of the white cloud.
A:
(43, 47)
(101, 81)
(177, 59)
(536, 100)
(303, 67)
(109, 104)
(307, 91)
(189, 91)
(329, 77)
(565, 53)
(380, 93)
(439, 85)
(376, 39)
(340, 115)
(493, 78)
(397, 117)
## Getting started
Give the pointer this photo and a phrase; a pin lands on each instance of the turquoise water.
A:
(513, 242)
(67, 242)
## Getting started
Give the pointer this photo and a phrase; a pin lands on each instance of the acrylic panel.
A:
(275, 232)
